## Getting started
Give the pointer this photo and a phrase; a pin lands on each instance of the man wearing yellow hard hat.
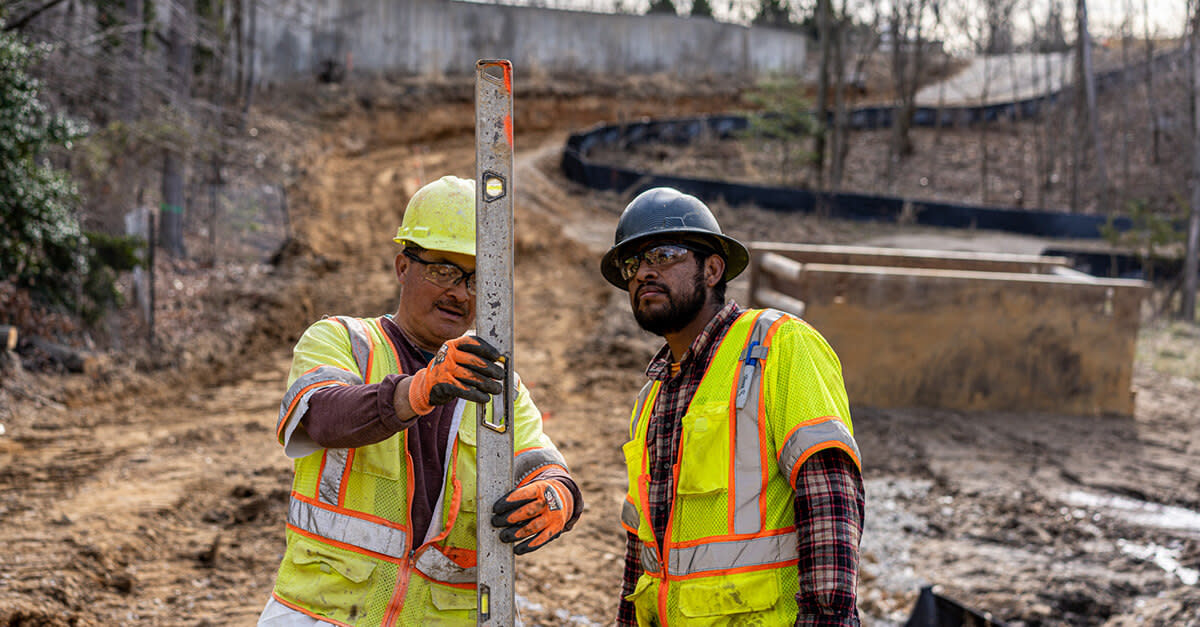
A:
(378, 416)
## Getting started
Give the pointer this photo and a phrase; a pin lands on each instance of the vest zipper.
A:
(665, 552)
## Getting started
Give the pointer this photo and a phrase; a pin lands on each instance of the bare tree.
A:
(824, 37)
(1086, 81)
(131, 88)
(1039, 156)
(179, 54)
(907, 57)
(866, 43)
(1187, 304)
(1151, 104)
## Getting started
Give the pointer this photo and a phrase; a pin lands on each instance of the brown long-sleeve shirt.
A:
(350, 416)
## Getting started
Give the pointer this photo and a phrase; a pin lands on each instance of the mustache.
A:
(451, 305)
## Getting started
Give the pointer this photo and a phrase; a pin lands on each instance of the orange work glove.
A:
(536, 512)
(464, 367)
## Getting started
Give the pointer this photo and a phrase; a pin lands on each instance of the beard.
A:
(679, 311)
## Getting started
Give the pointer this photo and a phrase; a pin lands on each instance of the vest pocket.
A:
(327, 580)
(645, 600)
(721, 598)
(704, 463)
(382, 459)
(450, 606)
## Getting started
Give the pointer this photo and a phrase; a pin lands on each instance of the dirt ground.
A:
(136, 495)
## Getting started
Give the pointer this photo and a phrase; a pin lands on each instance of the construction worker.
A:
(379, 416)
(745, 500)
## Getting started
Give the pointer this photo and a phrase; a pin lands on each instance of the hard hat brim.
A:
(735, 254)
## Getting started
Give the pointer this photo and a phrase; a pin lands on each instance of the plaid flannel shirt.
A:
(829, 506)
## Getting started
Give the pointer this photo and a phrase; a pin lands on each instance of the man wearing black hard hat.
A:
(745, 500)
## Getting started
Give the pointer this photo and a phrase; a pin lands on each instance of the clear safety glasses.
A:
(658, 257)
(444, 275)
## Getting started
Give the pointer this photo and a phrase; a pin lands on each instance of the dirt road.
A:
(159, 498)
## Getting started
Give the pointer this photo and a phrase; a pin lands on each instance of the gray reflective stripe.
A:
(630, 515)
(321, 374)
(347, 529)
(529, 462)
(438, 567)
(360, 342)
(747, 458)
(755, 351)
(331, 475)
(649, 558)
(639, 407)
(731, 554)
(804, 438)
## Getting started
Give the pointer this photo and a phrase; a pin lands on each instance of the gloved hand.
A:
(536, 512)
(464, 367)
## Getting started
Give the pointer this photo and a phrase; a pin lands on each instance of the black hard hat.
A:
(667, 213)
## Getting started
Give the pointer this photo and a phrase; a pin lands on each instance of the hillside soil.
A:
(157, 496)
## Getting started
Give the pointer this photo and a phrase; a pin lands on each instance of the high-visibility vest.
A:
(772, 396)
(351, 558)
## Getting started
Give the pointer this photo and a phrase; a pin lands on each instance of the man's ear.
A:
(714, 269)
(401, 264)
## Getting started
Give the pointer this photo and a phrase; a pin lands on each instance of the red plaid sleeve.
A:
(830, 505)
(626, 616)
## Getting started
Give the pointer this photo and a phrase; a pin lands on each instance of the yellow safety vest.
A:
(772, 397)
(351, 559)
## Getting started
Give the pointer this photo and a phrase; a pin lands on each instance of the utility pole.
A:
(494, 427)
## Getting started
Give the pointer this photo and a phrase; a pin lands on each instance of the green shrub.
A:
(42, 247)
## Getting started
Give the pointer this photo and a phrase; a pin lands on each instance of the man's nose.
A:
(459, 291)
(645, 271)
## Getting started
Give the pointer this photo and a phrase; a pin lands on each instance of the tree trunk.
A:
(897, 93)
(251, 53)
(1187, 301)
(1100, 170)
(1014, 125)
(823, 36)
(1077, 136)
(179, 60)
(238, 28)
(1151, 104)
(984, 160)
(1123, 123)
(839, 106)
(130, 91)
(1039, 157)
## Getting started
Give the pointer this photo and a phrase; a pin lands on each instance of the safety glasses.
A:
(444, 275)
(659, 256)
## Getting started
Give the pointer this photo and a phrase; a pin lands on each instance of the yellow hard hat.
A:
(441, 216)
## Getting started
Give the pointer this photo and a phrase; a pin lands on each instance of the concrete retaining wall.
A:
(439, 37)
(915, 333)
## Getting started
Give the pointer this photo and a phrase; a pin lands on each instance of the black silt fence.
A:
(577, 167)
